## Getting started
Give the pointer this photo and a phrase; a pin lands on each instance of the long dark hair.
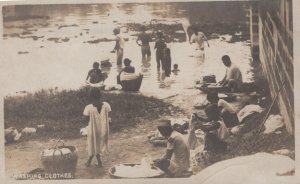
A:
(95, 97)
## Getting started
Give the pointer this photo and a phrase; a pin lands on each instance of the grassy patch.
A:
(61, 111)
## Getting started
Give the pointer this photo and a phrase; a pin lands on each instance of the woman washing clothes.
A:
(95, 75)
(127, 69)
(214, 129)
(176, 161)
(227, 112)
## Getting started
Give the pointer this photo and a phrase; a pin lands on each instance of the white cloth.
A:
(233, 72)
(273, 123)
(199, 40)
(11, 134)
(248, 110)
(28, 130)
(84, 131)
(98, 129)
(225, 106)
(128, 76)
(257, 168)
(223, 131)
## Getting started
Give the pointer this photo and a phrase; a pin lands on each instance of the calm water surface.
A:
(65, 65)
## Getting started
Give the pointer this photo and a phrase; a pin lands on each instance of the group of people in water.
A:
(163, 55)
(220, 115)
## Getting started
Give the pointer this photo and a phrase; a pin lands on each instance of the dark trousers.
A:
(213, 143)
(146, 51)
(160, 59)
(167, 66)
(230, 119)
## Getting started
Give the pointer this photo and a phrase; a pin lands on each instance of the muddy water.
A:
(53, 50)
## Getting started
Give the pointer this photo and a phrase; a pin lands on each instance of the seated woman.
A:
(95, 75)
(227, 112)
(128, 69)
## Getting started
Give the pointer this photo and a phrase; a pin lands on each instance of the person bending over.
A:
(233, 78)
(95, 75)
(176, 161)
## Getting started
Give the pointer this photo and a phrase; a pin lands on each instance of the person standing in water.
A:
(119, 47)
(127, 69)
(160, 46)
(168, 62)
(97, 114)
(198, 38)
(145, 39)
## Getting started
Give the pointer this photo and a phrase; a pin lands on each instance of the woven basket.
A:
(62, 163)
(132, 85)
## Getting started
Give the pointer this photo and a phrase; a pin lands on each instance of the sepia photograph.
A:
(197, 90)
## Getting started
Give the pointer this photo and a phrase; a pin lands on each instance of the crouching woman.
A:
(176, 161)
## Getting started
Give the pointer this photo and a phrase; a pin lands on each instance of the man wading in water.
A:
(160, 45)
(198, 38)
(145, 39)
(119, 47)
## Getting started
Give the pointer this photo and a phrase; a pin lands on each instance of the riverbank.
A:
(133, 117)
(61, 111)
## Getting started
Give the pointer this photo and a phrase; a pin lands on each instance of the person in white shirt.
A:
(233, 78)
(119, 47)
(176, 161)
(198, 38)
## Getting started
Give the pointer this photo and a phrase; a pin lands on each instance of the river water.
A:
(54, 51)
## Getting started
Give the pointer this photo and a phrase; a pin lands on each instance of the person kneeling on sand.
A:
(233, 78)
(176, 161)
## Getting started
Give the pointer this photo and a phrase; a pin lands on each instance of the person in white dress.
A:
(98, 113)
